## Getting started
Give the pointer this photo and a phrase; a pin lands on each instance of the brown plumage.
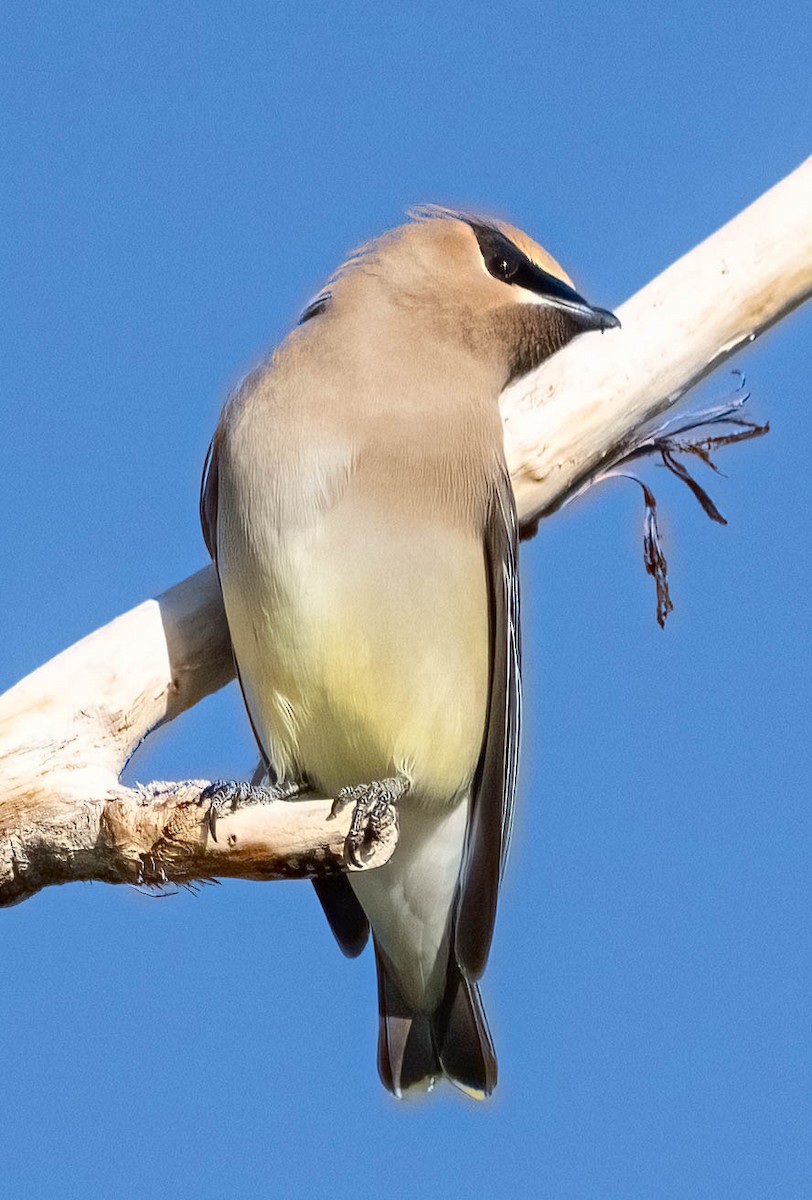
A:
(358, 508)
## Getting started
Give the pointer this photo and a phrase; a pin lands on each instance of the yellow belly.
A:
(364, 651)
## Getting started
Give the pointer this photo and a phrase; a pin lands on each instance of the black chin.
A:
(534, 333)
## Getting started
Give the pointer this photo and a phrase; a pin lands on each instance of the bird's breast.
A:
(362, 642)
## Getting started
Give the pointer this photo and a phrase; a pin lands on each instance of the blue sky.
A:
(178, 180)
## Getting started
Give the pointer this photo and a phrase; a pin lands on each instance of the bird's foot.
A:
(225, 796)
(374, 815)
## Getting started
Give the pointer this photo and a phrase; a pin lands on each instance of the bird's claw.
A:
(225, 796)
(375, 812)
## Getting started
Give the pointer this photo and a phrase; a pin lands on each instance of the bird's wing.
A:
(343, 911)
(494, 787)
(209, 491)
(209, 495)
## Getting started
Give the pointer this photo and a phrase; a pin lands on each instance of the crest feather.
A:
(536, 253)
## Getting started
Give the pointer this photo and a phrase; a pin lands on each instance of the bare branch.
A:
(159, 835)
(67, 730)
(571, 418)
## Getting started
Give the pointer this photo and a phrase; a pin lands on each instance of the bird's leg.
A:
(225, 796)
(375, 811)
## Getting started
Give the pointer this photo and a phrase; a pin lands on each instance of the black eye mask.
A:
(510, 265)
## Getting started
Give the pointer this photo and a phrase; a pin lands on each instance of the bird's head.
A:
(466, 279)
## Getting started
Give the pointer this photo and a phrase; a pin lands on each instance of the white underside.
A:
(408, 901)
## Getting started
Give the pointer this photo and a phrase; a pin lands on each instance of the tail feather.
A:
(415, 1049)
(462, 1037)
(406, 1055)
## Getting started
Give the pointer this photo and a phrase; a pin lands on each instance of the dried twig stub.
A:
(667, 440)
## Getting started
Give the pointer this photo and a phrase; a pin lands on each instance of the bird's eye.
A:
(502, 259)
(503, 268)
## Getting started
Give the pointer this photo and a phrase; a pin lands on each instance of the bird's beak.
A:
(583, 313)
(550, 289)
(589, 317)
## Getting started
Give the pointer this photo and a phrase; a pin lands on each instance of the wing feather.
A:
(494, 789)
(209, 493)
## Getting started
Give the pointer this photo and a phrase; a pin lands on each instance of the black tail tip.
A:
(417, 1049)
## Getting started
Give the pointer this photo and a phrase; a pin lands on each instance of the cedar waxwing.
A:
(358, 507)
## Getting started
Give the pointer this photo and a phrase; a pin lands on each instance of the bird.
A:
(358, 507)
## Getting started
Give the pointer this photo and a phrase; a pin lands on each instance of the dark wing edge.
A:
(209, 492)
(209, 497)
(494, 788)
